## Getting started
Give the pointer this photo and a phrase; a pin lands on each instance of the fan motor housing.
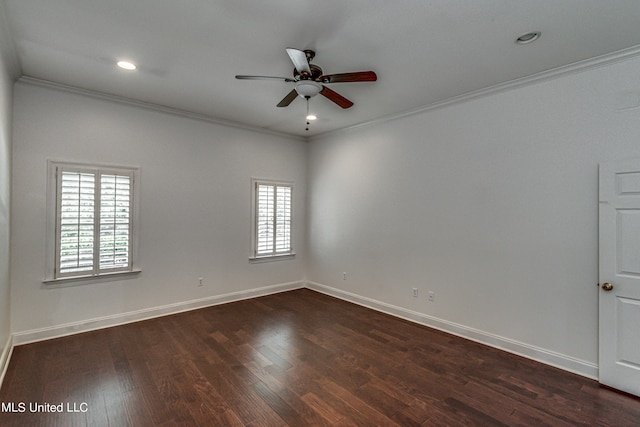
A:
(316, 73)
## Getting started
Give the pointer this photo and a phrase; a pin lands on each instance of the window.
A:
(94, 221)
(272, 225)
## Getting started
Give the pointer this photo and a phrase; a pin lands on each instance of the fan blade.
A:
(288, 99)
(299, 59)
(361, 76)
(284, 79)
(335, 97)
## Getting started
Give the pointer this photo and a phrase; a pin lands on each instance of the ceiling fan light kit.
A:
(308, 88)
(310, 80)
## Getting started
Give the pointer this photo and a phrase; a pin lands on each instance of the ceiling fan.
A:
(309, 79)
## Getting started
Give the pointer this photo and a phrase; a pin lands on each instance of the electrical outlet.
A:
(344, 276)
(432, 296)
(415, 292)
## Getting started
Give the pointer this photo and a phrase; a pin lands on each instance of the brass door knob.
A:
(607, 286)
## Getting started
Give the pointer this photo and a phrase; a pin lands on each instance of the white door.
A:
(619, 300)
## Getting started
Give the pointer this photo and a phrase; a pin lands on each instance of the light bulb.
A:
(126, 65)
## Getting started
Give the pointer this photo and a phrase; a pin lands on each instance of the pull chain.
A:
(308, 123)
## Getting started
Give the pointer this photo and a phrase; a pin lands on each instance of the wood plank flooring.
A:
(296, 358)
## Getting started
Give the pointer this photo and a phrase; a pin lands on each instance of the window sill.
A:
(269, 258)
(77, 280)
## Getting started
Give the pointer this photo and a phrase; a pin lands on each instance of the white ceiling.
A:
(423, 51)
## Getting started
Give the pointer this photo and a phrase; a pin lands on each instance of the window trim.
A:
(52, 251)
(255, 257)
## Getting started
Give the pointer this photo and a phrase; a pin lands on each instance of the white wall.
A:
(7, 74)
(195, 203)
(491, 203)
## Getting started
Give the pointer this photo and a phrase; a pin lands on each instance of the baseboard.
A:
(542, 355)
(5, 356)
(57, 331)
(567, 363)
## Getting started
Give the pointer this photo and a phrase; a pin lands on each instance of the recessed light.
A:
(126, 65)
(528, 37)
(311, 117)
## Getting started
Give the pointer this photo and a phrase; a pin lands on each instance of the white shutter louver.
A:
(115, 221)
(76, 222)
(265, 219)
(273, 219)
(283, 220)
(94, 222)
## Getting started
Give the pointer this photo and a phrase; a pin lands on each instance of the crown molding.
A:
(33, 81)
(574, 68)
(554, 73)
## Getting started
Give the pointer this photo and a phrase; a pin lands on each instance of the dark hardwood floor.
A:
(297, 358)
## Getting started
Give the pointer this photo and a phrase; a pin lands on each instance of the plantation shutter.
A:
(76, 218)
(94, 222)
(283, 219)
(115, 221)
(273, 219)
